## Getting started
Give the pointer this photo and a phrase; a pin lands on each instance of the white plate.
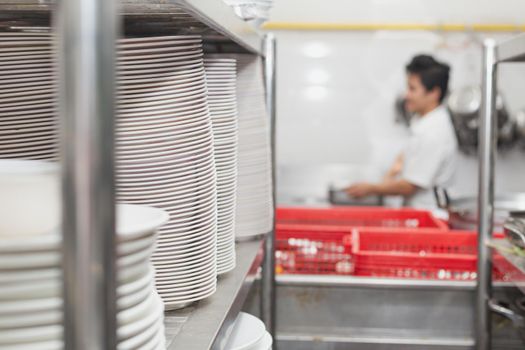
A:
(204, 290)
(209, 248)
(158, 341)
(30, 334)
(26, 100)
(141, 340)
(188, 282)
(188, 274)
(160, 94)
(30, 290)
(165, 245)
(152, 40)
(132, 45)
(179, 154)
(190, 224)
(136, 298)
(184, 282)
(131, 315)
(224, 270)
(160, 145)
(176, 290)
(182, 195)
(188, 236)
(154, 70)
(32, 319)
(190, 231)
(127, 59)
(187, 271)
(158, 59)
(176, 185)
(265, 343)
(29, 275)
(175, 255)
(181, 200)
(185, 264)
(176, 302)
(145, 86)
(47, 345)
(142, 136)
(133, 329)
(176, 135)
(188, 117)
(201, 142)
(159, 180)
(182, 213)
(183, 77)
(178, 242)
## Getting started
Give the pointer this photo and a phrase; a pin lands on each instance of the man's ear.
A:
(436, 92)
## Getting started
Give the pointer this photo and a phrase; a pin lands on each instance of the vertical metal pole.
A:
(268, 271)
(86, 34)
(487, 149)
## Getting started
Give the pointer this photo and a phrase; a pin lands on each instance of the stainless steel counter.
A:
(207, 325)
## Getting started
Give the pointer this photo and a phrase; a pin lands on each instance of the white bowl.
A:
(247, 332)
(30, 200)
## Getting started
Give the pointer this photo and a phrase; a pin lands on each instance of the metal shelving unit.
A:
(494, 55)
(214, 20)
(87, 31)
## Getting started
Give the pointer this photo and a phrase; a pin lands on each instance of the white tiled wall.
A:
(335, 102)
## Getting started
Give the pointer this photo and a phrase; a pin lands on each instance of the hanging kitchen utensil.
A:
(464, 105)
(514, 229)
(463, 211)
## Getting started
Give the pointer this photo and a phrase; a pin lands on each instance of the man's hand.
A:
(385, 188)
(360, 190)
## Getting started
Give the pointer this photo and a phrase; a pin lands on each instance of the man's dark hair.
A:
(431, 72)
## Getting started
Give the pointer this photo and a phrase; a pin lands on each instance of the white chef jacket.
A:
(430, 157)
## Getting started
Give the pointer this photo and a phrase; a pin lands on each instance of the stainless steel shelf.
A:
(512, 50)
(207, 324)
(212, 19)
(512, 265)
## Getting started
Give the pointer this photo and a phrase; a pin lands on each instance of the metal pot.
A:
(465, 104)
(520, 123)
(463, 212)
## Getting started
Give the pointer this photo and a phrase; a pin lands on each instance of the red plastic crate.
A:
(360, 217)
(427, 254)
(305, 249)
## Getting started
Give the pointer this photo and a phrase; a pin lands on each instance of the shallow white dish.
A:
(247, 331)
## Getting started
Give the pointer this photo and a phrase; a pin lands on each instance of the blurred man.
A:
(429, 160)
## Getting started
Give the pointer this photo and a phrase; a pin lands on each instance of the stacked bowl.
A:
(31, 304)
(221, 82)
(249, 333)
(28, 91)
(165, 158)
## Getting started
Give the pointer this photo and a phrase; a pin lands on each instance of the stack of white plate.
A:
(31, 280)
(254, 214)
(249, 333)
(165, 158)
(221, 81)
(28, 91)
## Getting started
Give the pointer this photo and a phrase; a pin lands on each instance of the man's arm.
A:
(386, 188)
(395, 169)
